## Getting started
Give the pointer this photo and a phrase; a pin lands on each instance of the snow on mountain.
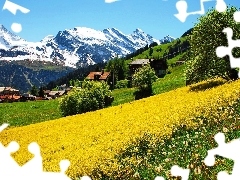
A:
(167, 39)
(47, 38)
(8, 39)
(80, 46)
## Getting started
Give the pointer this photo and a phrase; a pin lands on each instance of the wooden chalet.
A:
(27, 97)
(159, 65)
(9, 94)
(55, 94)
(98, 76)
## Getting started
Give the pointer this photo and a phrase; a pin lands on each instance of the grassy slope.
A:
(25, 113)
(21, 114)
(169, 82)
(186, 148)
(159, 50)
(96, 137)
(153, 161)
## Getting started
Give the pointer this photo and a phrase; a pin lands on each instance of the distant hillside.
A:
(176, 48)
(22, 76)
(80, 74)
(166, 51)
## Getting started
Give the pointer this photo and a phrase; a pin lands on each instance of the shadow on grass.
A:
(144, 93)
(207, 85)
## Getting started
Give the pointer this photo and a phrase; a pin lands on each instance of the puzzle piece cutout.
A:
(236, 16)
(13, 8)
(182, 6)
(177, 171)
(33, 169)
(228, 150)
(86, 178)
(222, 51)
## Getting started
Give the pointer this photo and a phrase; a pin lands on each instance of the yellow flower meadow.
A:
(92, 139)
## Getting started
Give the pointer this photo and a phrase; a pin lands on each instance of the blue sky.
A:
(155, 17)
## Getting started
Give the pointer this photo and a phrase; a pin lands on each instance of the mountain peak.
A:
(4, 30)
(2, 27)
(86, 33)
(8, 39)
(139, 30)
(113, 29)
(74, 46)
(167, 39)
(47, 38)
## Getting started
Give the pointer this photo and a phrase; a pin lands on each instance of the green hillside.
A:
(176, 51)
(169, 50)
(25, 113)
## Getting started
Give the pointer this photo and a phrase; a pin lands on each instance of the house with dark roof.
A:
(159, 65)
(98, 76)
(28, 97)
(55, 94)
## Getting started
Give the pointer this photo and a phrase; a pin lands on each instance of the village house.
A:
(60, 91)
(9, 94)
(54, 94)
(62, 87)
(27, 97)
(46, 92)
(98, 76)
(159, 66)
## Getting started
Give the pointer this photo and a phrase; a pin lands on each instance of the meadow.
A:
(171, 81)
(25, 113)
(132, 139)
(135, 140)
(139, 139)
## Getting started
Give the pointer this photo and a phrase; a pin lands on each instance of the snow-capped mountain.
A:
(8, 39)
(167, 39)
(79, 46)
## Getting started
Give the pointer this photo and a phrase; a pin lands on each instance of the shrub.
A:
(206, 36)
(92, 96)
(122, 84)
(144, 78)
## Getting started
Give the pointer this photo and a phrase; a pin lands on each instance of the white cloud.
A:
(111, 1)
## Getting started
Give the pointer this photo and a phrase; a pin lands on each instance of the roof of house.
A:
(141, 61)
(2, 88)
(103, 76)
(53, 93)
(7, 89)
(28, 95)
(63, 85)
(47, 91)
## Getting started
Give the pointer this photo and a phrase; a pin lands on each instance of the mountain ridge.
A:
(77, 47)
